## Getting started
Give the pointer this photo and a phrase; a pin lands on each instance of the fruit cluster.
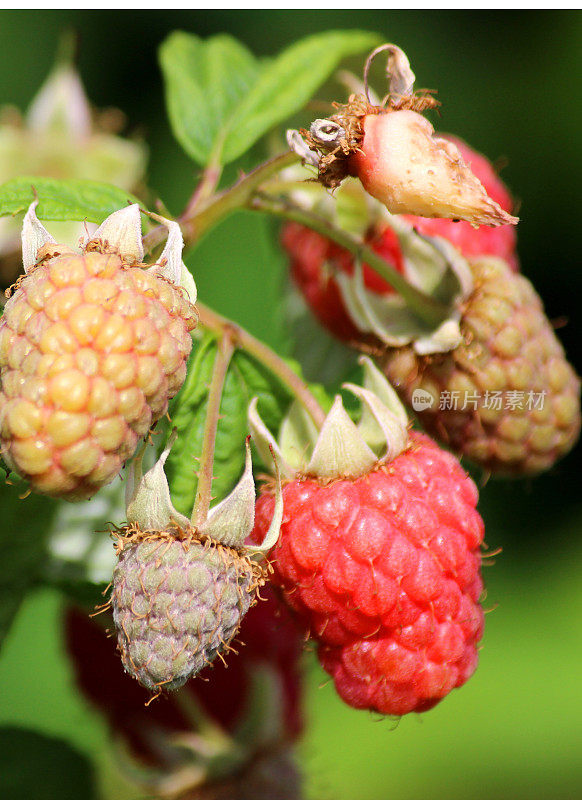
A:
(314, 260)
(368, 529)
(504, 396)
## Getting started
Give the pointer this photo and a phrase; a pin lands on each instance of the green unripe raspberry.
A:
(178, 603)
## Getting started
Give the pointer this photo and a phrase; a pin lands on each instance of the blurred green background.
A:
(509, 83)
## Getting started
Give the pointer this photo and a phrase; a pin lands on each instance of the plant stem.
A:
(236, 197)
(199, 216)
(241, 338)
(204, 190)
(206, 464)
(205, 210)
(424, 306)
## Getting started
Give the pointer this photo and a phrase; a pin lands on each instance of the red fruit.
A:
(268, 638)
(313, 262)
(384, 572)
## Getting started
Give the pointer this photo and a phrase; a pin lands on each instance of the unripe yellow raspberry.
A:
(506, 398)
(91, 350)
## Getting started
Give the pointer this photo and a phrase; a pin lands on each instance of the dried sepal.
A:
(120, 233)
(34, 236)
(340, 449)
(147, 495)
(149, 505)
(376, 383)
(398, 73)
(379, 425)
(231, 521)
(297, 436)
(272, 535)
(170, 266)
(265, 442)
(432, 265)
(387, 317)
(298, 145)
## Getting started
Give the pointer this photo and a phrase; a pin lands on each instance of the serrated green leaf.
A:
(287, 83)
(33, 765)
(246, 378)
(71, 199)
(23, 533)
(221, 100)
(204, 81)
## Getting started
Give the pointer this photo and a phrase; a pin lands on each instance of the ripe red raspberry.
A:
(92, 347)
(384, 572)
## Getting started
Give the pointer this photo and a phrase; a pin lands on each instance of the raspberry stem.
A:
(204, 210)
(245, 341)
(231, 199)
(426, 307)
(224, 353)
(205, 189)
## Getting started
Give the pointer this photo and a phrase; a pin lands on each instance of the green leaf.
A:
(63, 199)
(287, 83)
(25, 525)
(33, 765)
(246, 378)
(204, 81)
(221, 100)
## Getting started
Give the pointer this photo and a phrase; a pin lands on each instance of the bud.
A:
(404, 165)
